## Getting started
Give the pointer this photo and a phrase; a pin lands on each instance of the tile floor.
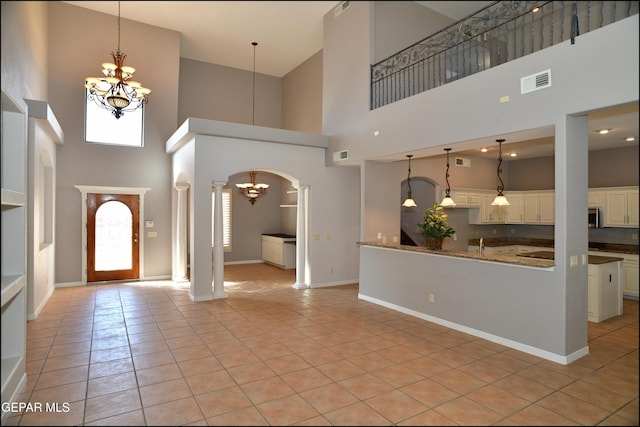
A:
(144, 354)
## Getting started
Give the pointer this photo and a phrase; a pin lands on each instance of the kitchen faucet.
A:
(481, 246)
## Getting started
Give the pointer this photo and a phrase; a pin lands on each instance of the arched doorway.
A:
(424, 193)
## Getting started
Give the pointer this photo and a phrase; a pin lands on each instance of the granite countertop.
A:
(593, 259)
(491, 242)
(507, 259)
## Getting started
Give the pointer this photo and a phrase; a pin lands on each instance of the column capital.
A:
(182, 186)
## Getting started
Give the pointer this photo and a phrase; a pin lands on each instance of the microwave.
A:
(595, 218)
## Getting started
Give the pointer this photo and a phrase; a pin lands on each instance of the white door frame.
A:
(86, 189)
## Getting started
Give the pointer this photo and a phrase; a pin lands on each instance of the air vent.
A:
(340, 155)
(461, 161)
(536, 81)
(341, 8)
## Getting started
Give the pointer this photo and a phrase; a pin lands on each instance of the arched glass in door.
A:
(113, 244)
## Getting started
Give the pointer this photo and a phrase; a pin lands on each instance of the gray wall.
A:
(216, 92)
(302, 97)
(150, 50)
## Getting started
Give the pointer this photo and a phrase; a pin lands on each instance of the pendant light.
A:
(409, 202)
(115, 91)
(251, 190)
(500, 199)
(447, 202)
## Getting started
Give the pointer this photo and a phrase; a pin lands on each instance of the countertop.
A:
(280, 235)
(491, 242)
(507, 259)
(593, 259)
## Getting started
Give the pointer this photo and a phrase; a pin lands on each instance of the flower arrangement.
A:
(435, 225)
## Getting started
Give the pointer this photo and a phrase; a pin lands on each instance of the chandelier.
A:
(251, 190)
(116, 91)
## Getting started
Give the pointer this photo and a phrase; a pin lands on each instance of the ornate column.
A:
(301, 240)
(180, 273)
(218, 245)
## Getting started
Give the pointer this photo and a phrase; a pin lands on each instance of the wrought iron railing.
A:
(501, 32)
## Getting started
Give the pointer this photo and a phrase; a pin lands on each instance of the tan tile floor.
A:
(144, 354)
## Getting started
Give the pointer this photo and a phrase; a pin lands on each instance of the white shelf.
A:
(292, 191)
(12, 198)
(11, 285)
(288, 206)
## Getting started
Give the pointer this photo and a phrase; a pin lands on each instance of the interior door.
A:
(112, 237)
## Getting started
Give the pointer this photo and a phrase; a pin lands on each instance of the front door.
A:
(112, 237)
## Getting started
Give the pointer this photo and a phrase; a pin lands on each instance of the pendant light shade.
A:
(409, 202)
(447, 202)
(500, 199)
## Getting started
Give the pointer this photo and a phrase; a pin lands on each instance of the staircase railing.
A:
(498, 33)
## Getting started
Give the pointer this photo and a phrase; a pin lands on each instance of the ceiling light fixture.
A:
(603, 131)
(409, 202)
(500, 199)
(251, 190)
(630, 139)
(447, 202)
(116, 91)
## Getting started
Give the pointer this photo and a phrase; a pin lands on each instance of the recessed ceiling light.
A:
(513, 154)
(484, 150)
(630, 138)
(603, 131)
(376, 133)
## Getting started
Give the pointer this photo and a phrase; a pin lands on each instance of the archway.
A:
(424, 193)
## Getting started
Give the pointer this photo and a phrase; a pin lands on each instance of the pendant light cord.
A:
(409, 176)
(446, 176)
(118, 27)
(253, 119)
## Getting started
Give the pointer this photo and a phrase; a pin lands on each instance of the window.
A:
(226, 218)
(101, 127)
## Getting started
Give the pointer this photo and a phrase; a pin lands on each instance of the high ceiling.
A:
(221, 32)
(289, 32)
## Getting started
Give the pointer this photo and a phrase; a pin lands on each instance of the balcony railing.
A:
(501, 32)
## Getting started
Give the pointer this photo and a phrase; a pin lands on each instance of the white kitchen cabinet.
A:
(14, 241)
(514, 213)
(465, 198)
(605, 291)
(621, 208)
(487, 214)
(596, 198)
(539, 207)
(279, 251)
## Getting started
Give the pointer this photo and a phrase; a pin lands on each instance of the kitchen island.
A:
(605, 287)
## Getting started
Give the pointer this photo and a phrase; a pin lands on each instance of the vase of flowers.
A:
(435, 227)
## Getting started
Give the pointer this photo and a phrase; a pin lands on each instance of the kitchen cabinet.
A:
(487, 214)
(279, 250)
(596, 198)
(621, 208)
(605, 292)
(14, 249)
(465, 198)
(539, 207)
(629, 276)
(514, 213)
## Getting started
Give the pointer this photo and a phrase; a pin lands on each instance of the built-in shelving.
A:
(14, 240)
